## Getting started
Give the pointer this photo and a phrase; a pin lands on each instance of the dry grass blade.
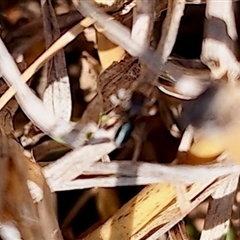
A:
(150, 213)
(57, 95)
(135, 214)
(65, 169)
(58, 129)
(60, 174)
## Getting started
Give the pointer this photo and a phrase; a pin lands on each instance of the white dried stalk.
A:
(121, 36)
(170, 28)
(124, 173)
(118, 34)
(74, 163)
(143, 21)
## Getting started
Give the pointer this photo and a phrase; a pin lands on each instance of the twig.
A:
(124, 173)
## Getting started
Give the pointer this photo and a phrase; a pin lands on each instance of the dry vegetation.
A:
(119, 119)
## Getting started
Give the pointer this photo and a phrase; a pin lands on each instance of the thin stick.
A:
(123, 173)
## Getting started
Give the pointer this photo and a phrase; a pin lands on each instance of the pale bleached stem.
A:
(143, 21)
(124, 173)
(74, 163)
(119, 34)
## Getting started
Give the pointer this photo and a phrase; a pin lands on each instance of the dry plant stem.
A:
(118, 34)
(170, 28)
(218, 49)
(185, 173)
(135, 214)
(215, 9)
(65, 169)
(104, 182)
(187, 139)
(153, 207)
(35, 110)
(143, 20)
(113, 181)
(124, 173)
(121, 35)
(53, 49)
(219, 210)
(164, 221)
(29, 102)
